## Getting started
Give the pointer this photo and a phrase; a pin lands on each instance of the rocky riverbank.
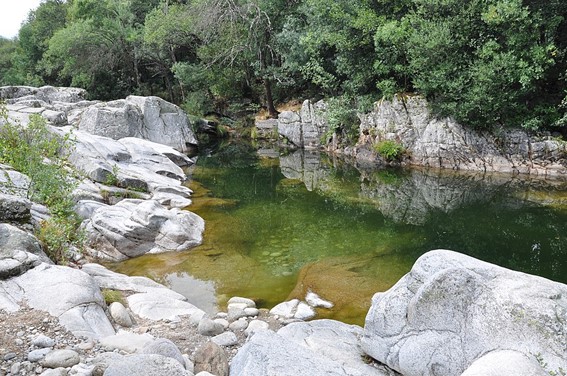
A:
(450, 315)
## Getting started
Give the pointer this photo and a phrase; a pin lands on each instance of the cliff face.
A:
(433, 142)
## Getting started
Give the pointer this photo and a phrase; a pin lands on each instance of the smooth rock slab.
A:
(271, 354)
(134, 227)
(450, 309)
(69, 294)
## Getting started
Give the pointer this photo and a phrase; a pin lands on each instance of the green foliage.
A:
(343, 120)
(111, 296)
(390, 150)
(112, 177)
(40, 154)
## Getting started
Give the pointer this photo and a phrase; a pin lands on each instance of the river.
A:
(280, 225)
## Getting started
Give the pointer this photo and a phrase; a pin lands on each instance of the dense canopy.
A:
(484, 62)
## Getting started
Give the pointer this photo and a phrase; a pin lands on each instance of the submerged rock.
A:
(451, 309)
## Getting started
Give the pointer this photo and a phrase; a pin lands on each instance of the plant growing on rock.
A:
(390, 150)
(39, 153)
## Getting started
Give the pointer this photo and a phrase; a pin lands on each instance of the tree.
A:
(240, 35)
(33, 41)
(97, 49)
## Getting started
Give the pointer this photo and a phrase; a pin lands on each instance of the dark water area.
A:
(278, 226)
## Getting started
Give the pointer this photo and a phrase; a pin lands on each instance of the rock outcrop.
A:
(452, 312)
(148, 118)
(429, 141)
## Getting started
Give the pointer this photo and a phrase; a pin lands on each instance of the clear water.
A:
(278, 227)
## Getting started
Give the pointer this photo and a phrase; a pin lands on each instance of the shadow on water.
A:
(278, 226)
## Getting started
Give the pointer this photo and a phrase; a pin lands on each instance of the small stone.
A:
(204, 373)
(223, 322)
(37, 355)
(255, 326)
(236, 311)
(9, 356)
(165, 347)
(237, 299)
(60, 358)
(55, 372)
(225, 339)
(251, 311)
(43, 341)
(120, 314)
(238, 325)
(15, 369)
(304, 311)
(315, 301)
(208, 327)
(222, 315)
(18, 341)
(210, 357)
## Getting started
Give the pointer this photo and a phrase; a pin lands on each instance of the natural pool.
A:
(278, 226)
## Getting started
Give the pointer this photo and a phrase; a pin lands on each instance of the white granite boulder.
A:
(134, 227)
(69, 294)
(452, 309)
(321, 347)
(149, 118)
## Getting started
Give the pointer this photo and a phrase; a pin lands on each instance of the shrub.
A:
(343, 120)
(391, 151)
(40, 154)
(111, 296)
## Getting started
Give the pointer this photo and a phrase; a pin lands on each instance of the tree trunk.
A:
(269, 99)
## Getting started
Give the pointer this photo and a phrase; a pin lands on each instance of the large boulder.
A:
(451, 310)
(19, 251)
(69, 294)
(134, 227)
(321, 347)
(149, 118)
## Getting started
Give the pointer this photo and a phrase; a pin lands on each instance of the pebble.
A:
(43, 341)
(237, 299)
(15, 369)
(225, 339)
(255, 326)
(9, 356)
(37, 355)
(223, 322)
(238, 325)
(208, 327)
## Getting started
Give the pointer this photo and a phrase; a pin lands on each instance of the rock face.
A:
(149, 118)
(443, 143)
(306, 128)
(430, 142)
(452, 310)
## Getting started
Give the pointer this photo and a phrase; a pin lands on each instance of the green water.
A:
(278, 227)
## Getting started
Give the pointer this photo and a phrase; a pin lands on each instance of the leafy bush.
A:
(38, 153)
(390, 150)
(343, 120)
